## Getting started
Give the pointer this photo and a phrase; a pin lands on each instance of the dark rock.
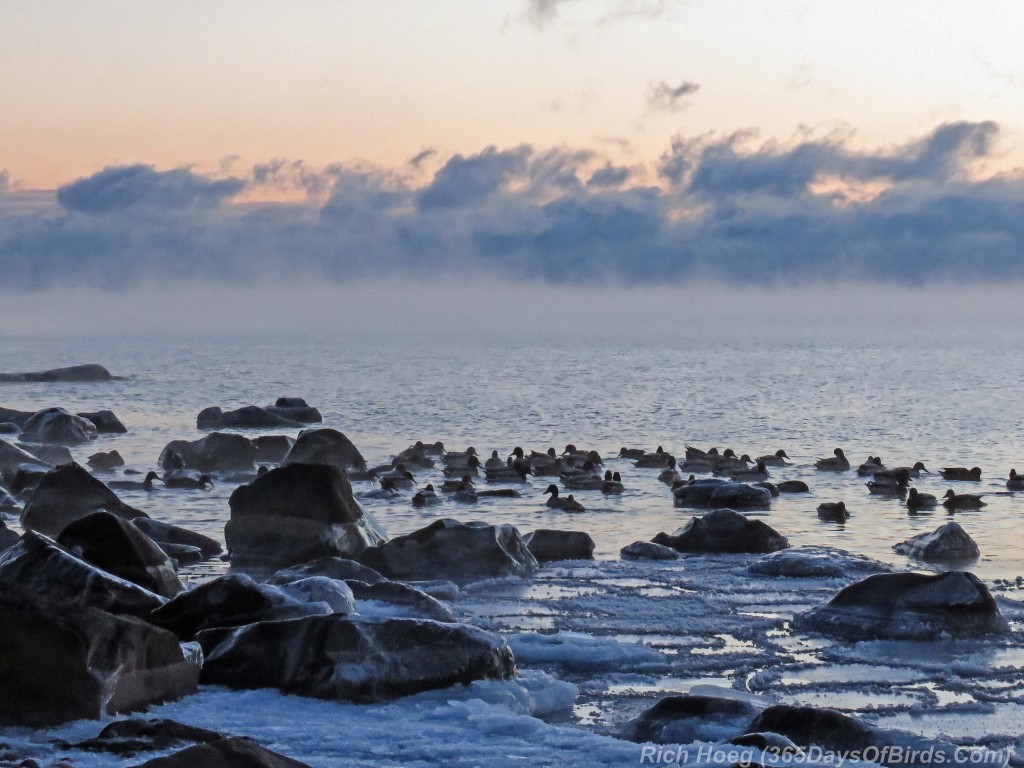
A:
(165, 533)
(647, 550)
(28, 477)
(11, 459)
(106, 422)
(9, 428)
(295, 514)
(296, 409)
(689, 718)
(718, 492)
(229, 601)
(419, 604)
(946, 544)
(75, 373)
(182, 554)
(332, 568)
(724, 531)
(325, 446)
(233, 752)
(793, 486)
(217, 452)
(816, 562)
(129, 737)
(42, 565)
(63, 663)
(550, 546)
(118, 547)
(271, 449)
(907, 606)
(53, 455)
(334, 657)
(8, 538)
(55, 426)
(104, 462)
(458, 552)
(7, 502)
(334, 593)
(12, 416)
(247, 417)
(66, 494)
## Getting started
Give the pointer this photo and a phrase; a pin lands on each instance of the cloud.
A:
(669, 97)
(725, 208)
(542, 12)
(5, 180)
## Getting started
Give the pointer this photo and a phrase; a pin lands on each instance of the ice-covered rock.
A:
(295, 514)
(8, 538)
(911, 606)
(947, 544)
(458, 552)
(55, 426)
(331, 567)
(320, 589)
(647, 550)
(816, 562)
(724, 531)
(229, 752)
(129, 737)
(66, 494)
(325, 446)
(576, 651)
(334, 657)
(246, 417)
(550, 545)
(393, 598)
(689, 718)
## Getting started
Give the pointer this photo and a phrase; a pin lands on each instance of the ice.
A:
(577, 651)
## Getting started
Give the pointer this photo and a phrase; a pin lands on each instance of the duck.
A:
(754, 474)
(458, 458)
(1016, 482)
(494, 462)
(425, 497)
(917, 500)
(777, 459)
(548, 464)
(916, 470)
(631, 453)
(889, 483)
(397, 478)
(871, 466)
(961, 473)
(501, 493)
(554, 500)
(583, 479)
(465, 493)
(612, 483)
(834, 511)
(836, 463)
(697, 466)
(415, 456)
(469, 468)
(451, 486)
(730, 462)
(653, 460)
(183, 478)
(135, 485)
(699, 453)
(669, 475)
(507, 474)
(955, 500)
(519, 460)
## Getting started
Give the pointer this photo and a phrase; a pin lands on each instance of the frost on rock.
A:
(816, 562)
(946, 544)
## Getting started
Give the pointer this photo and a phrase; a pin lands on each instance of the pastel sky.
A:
(564, 141)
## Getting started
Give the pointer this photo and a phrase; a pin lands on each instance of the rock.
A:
(689, 718)
(334, 657)
(947, 544)
(9, 428)
(232, 752)
(816, 562)
(118, 547)
(12, 458)
(182, 554)
(458, 552)
(7, 502)
(12, 416)
(55, 426)
(43, 566)
(296, 409)
(295, 514)
(320, 589)
(129, 737)
(246, 417)
(53, 455)
(907, 606)
(28, 478)
(724, 531)
(271, 449)
(793, 486)
(648, 550)
(66, 494)
(75, 373)
(332, 568)
(718, 492)
(8, 538)
(64, 663)
(217, 452)
(325, 446)
(165, 533)
(105, 462)
(229, 601)
(549, 546)
(106, 422)
(410, 601)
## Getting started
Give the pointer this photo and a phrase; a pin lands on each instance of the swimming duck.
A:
(494, 462)
(1016, 482)
(465, 494)
(670, 474)
(730, 462)
(631, 453)
(469, 468)
(397, 478)
(554, 500)
(917, 500)
(871, 466)
(961, 473)
(451, 486)
(135, 485)
(519, 460)
(584, 478)
(758, 472)
(612, 483)
(889, 483)
(834, 511)
(510, 473)
(425, 497)
(698, 466)
(458, 458)
(777, 459)
(547, 464)
(836, 463)
(955, 500)
(916, 470)
(183, 478)
(415, 457)
(654, 460)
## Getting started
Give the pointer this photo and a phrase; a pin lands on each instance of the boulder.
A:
(334, 657)
(458, 552)
(907, 606)
(105, 461)
(55, 426)
(246, 417)
(718, 492)
(182, 554)
(7, 502)
(648, 550)
(118, 547)
(129, 737)
(12, 458)
(229, 752)
(8, 538)
(550, 546)
(947, 544)
(229, 601)
(9, 428)
(165, 533)
(325, 446)
(398, 600)
(295, 514)
(76, 373)
(66, 494)
(63, 663)
(691, 717)
(53, 455)
(296, 409)
(332, 568)
(334, 593)
(105, 421)
(16, 417)
(271, 449)
(724, 531)
(217, 452)
(43, 566)
(816, 562)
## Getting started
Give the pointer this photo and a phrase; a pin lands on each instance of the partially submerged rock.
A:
(246, 417)
(458, 552)
(165, 533)
(229, 752)
(907, 606)
(129, 737)
(816, 562)
(946, 544)
(409, 601)
(724, 531)
(648, 550)
(89, 372)
(217, 452)
(550, 545)
(296, 409)
(691, 717)
(271, 449)
(717, 492)
(105, 461)
(66, 494)
(12, 458)
(332, 568)
(325, 446)
(55, 426)
(334, 657)
(105, 421)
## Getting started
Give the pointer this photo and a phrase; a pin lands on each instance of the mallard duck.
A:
(1016, 482)
(183, 478)
(834, 511)
(955, 500)
(777, 459)
(753, 474)
(670, 474)
(871, 466)
(917, 500)
(961, 473)
(135, 485)
(836, 463)
(612, 484)
(425, 497)
(631, 453)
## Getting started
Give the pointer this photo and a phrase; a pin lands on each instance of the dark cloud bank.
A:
(719, 209)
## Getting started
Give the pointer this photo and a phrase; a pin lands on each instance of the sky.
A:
(564, 142)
